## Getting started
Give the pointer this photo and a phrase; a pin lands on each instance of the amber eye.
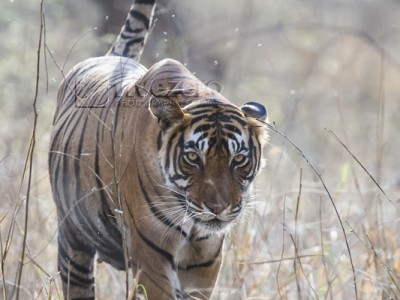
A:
(192, 156)
(239, 158)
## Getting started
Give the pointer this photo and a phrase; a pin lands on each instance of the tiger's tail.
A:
(132, 37)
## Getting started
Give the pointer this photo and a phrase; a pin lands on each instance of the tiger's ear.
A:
(166, 110)
(254, 110)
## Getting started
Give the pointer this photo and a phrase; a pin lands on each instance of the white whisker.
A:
(167, 188)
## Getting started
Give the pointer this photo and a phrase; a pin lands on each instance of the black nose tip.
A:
(215, 208)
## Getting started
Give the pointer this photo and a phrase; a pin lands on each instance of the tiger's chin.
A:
(214, 226)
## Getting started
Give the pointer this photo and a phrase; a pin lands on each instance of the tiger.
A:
(149, 169)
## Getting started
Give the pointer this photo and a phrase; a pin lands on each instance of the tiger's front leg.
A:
(158, 281)
(200, 267)
(154, 269)
(156, 284)
(198, 282)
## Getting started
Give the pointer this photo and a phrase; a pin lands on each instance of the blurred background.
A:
(322, 68)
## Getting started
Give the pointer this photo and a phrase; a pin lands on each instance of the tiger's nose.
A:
(215, 208)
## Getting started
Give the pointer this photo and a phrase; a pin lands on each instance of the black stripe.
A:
(176, 153)
(176, 177)
(204, 264)
(253, 150)
(66, 106)
(55, 167)
(197, 119)
(77, 161)
(210, 108)
(178, 293)
(159, 141)
(202, 127)
(140, 16)
(64, 172)
(135, 41)
(202, 238)
(231, 136)
(71, 276)
(233, 128)
(74, 279)
(126, 36)
(169, 146)
(239, 120)
(157, 213)
(129, 29)
(144, 2)
(201, 110)
(234, 112)
(211, 103)
(157, 283)
(201, 141)
(168, 256)
(115, 124)
(73, 264)
(130, 43)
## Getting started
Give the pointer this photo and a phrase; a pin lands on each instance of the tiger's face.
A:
(210, 155)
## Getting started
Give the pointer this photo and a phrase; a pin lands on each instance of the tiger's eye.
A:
(239, 158)
(192, 156)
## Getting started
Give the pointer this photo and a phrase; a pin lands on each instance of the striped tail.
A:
(132, 37)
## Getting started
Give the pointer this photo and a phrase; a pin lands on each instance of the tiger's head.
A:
(210, 153)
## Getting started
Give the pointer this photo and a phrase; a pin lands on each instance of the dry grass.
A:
(325, 222)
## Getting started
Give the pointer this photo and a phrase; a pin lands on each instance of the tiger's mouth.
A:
(215, 225)
(212, 222)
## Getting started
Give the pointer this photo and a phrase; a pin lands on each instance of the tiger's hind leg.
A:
(76, 264)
